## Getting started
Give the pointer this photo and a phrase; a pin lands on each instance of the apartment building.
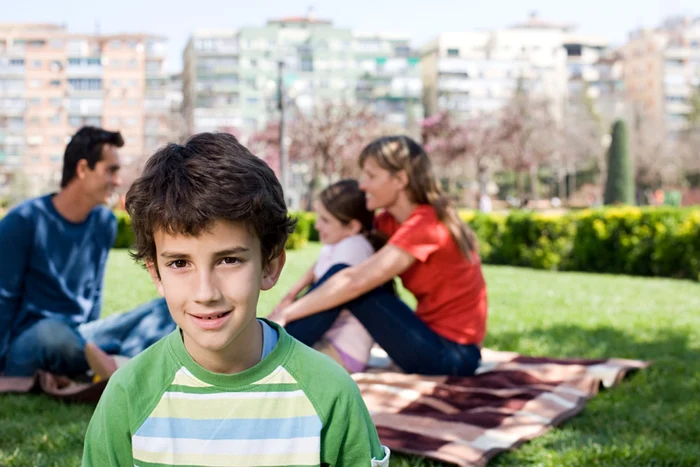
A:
(662, 71)
(53, 81)
(231, 77)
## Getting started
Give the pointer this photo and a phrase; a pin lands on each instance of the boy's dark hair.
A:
(185, 188)
(87, 144)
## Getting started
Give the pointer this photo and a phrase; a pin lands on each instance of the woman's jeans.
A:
(408, 341)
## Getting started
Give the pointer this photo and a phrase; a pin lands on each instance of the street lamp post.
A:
(284, 162)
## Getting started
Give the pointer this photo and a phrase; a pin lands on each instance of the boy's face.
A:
(211, 283)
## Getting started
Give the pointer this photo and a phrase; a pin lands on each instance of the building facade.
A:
(52, 82)
(231, 77)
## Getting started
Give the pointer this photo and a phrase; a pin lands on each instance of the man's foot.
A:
(102, 364)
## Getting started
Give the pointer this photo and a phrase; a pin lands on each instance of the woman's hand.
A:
(284, 303)
(277, 316)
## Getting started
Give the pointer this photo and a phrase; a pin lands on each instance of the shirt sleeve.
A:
(15, 245)
(97, 297)
(349, 437)
(352, 251)
(418, 235)
(108, 438)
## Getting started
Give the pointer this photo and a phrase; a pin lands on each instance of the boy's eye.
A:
(178, 263)
(230, 260)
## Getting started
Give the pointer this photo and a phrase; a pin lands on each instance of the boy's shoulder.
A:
(150, 372)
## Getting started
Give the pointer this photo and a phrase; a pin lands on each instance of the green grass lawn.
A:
(651, 419)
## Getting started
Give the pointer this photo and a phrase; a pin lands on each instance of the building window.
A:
(307, 64)
(35, 83)
(55, 140)
(16, 62)
(55, 83)
(36, 63)
(115, 44)
(130, 121)
(131, 103)
(453, 52)
(85, 84)
(117, 102)
(114, 122)
(132, 64)
(35, 101)
(252, 100)
(56, 158)
(55, 120)
(402, 50)
(57, 44)
(75, 121)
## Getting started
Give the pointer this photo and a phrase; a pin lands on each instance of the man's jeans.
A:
(56, 347)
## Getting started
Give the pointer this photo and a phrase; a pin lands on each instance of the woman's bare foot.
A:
(102, 364)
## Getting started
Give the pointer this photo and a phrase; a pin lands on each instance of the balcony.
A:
(80, 71)
(12, 71)
(156, 50)
(678, 108)
(84, 108)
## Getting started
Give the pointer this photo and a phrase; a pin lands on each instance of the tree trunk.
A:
(562, 183)
(533, 182)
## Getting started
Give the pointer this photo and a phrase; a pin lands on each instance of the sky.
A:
(422, 20)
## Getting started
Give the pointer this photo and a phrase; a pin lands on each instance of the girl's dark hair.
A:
(346, 202)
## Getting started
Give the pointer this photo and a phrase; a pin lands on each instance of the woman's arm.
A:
(350, 283)
(305, 280)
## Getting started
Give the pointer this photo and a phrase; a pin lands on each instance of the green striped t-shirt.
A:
(296, 407)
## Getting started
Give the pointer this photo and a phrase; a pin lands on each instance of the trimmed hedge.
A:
(125, 236)
(661, 241)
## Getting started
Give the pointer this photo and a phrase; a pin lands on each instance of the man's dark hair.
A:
(184, 189)
(87, 144)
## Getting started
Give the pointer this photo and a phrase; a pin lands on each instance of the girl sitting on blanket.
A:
(345, 228)
(433, 252)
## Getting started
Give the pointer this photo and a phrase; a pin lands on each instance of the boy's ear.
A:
(271, 272)
(155, 275)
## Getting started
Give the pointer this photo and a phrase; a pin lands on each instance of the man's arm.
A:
(16, 236)
(100, 279)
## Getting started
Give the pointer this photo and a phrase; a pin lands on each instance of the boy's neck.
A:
(243, 353)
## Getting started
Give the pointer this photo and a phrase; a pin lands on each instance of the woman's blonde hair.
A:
(397, 153)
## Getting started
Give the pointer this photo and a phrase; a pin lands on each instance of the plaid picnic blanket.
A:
(467, 421)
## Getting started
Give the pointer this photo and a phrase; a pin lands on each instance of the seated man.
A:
(54, 251)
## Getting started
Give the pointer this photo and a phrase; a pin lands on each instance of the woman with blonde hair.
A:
(433, 252)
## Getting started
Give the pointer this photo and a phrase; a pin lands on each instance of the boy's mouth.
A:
(211, 321)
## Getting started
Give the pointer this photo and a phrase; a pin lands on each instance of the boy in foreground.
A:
(226, 388)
